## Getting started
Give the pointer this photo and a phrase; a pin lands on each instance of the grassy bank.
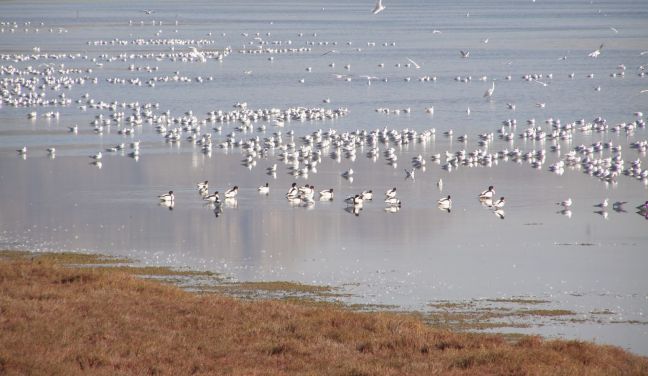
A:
(56, 319)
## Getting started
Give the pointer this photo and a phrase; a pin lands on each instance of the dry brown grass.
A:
(57, 320)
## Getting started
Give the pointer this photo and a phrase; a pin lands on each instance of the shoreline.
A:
(104, 318)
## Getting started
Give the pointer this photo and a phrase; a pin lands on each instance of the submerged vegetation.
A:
(61, 319)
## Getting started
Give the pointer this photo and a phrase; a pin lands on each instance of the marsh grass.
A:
(61, 320)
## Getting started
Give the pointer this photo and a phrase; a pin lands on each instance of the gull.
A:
(485, 41)
(97, 156)
(511, 106)
(248, 72)
(167, 196)
(436, 31)
(213, 198)
(413, 62)
(643, 91)
(330, 52)
(369, 78)
(596, 52)
(232, 192)
(22, 151)
(347, 174)
(603, 204)
(445, 203)
(148, 11)
(541, 83)
(615, 30)
(379, 7)
(409, 174)
(465, 54)
(618, 206)
(197, 54)
(565, 204)
(490, 91)
(264, 189)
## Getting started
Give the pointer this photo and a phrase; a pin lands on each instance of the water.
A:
(586, 263)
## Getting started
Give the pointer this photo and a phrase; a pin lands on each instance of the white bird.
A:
(596, 52)
(197, 54)
(565, 204)
(232, 192)
(490, 91)
(465, 54)
(264, 189)
(393, 201)
(22, 151)
(445, 203)
(347, 174)
(414, 63)
(326, 195)
(379, 7)
(499, 203)
(213, 198)
(391, 193)
(614, 29)
(293, 192)
(97, 156)
(203, 185)
(409, 174)
(487, 194)
(167, 197)
(367, 195)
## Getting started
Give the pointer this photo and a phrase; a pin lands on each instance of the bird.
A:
(603, 204)
(213, 198)
(487, 194)
(391, 193)
(203, 185)
(232, 192)
(197, 54)
(97, 156)
(445, 203)
(22, 151)
(379, 7)
(565, 204)
(596, 52)
(414, 63)
(347, 174)
(367, 195)
(614, 29)
(167, 197)
(643, 208)
(326, 195)
(264, 189)
(618, 206)
(293, 192)
(393, 201)
(465, 54)
(354, 201)
(499, 203)
(409, 174)
(440, 184)
(490, 91)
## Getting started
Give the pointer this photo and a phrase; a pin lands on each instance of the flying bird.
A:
(414, 63)
(379, 7)
(596, 52)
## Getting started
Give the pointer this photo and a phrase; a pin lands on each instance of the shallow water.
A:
(585, 262)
